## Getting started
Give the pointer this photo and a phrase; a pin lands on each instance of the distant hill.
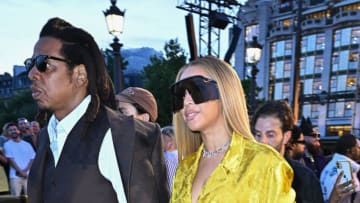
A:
(138, 58)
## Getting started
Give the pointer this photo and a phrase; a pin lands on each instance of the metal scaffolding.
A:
(214, 15)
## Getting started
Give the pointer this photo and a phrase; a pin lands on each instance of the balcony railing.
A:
(345, 16)
(313, 23)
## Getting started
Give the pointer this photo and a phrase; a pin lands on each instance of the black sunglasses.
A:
(299, 142)
(41, 62)
(200, 88)
(314, 135)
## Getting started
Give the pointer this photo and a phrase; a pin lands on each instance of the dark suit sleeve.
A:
(157, 158)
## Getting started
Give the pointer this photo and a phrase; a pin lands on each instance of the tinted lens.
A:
(29, 63)
(315, 135)
(39, 61)
(200, 88)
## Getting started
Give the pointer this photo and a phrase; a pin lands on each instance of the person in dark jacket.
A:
(88, 152)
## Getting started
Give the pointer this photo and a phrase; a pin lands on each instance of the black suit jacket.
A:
(305, 183)
(139, 155)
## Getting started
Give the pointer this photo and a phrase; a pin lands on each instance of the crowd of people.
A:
(98, 146)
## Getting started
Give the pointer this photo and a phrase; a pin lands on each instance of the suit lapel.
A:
(37, 170)
(123, 137)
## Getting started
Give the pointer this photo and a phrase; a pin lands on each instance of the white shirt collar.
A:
(59, 130)
(69, 121)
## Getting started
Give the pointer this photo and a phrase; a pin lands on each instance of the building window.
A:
(319, 64)
(310, 110)
(286, 23)
(344, 60)
(353, 59)
(338, 130)
(281, 48)
(338, 83)
(346, 36)
(313, 42)
(351, 7)
(282, 90)
(351, 82)
(340, 109)
(282, 69)
(312, 86)
(310, 65)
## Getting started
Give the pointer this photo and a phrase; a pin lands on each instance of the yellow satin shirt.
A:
(249, 173)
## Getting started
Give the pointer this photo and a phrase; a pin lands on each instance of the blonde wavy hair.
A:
(232, 99)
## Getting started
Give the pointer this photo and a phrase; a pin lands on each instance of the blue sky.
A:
(148, 23)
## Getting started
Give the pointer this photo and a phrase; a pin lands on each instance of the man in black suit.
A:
(87, 152)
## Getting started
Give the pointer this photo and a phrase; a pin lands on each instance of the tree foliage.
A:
(19, 105)
(246, 84)
(160, 74)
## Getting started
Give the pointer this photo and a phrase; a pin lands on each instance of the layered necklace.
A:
(207, 154)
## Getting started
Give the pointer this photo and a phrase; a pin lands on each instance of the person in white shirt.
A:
(20, 155)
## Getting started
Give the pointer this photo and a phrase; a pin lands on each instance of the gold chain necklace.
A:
(207, 154)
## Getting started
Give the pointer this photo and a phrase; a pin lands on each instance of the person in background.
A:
(272, 124)
(295, 148)
(170, 152)
(24, 127)
(347, 149)
(88, 151)
(137, 102)
(312, 157)
(20, 155)
(34, 131)
(4, 164)
(220, 159)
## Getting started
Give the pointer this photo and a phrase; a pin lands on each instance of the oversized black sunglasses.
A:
(200, 88)
(41, 62)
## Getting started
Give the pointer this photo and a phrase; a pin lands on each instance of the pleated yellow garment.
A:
(249, 173)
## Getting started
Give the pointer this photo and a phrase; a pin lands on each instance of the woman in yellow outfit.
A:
(221, 161)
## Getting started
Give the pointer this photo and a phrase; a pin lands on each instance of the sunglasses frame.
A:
(177, 105)
(40, 62)
(299, 142)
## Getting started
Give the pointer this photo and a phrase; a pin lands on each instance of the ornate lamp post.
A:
(253, 54)
(115, 23)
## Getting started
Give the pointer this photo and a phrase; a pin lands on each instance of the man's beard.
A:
(313, 149)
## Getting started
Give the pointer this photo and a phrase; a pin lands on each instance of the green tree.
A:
(246, 84)
(19, 105)
(160, 74)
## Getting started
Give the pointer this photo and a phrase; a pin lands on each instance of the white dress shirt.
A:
(58, 132)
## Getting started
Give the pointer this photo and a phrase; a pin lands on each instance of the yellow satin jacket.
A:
(249, 173)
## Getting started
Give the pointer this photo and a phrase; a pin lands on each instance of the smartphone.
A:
(344, 166)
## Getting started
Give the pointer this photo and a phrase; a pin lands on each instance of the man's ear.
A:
(144, 117)
(80, 75)
(287, 136)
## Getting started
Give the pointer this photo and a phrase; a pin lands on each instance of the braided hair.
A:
(79, 47)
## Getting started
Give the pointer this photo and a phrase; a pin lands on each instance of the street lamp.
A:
(252, 57)
(115, 24)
